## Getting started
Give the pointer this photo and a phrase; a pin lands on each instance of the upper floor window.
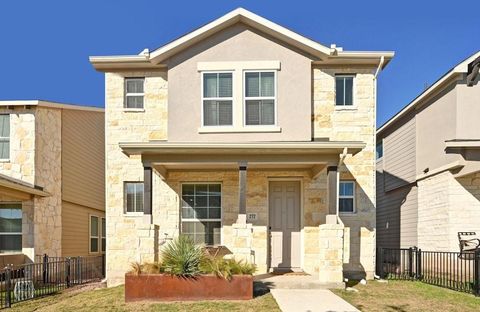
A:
(10, 228)
(217, 99)
(4, 137)
(134, 92)
(346, 196)
(379, 150)
(260, 98)
(344, 90)
(133, 197)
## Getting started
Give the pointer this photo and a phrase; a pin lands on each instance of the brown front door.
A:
(284, 224)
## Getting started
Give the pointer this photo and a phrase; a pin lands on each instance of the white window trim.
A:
(8, 139)
(274, 98)
(103, 234)
(131, 213)
(133, 109)
(200, 220)
(90, 216)
(354, 90)
(354, 211)
(202, 125)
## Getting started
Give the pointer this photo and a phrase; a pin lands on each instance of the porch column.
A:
(147, 190)
(332, 189)
(242, 189)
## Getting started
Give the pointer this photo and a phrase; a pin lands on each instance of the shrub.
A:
(182, 257)
(226, 268)
(146, 268)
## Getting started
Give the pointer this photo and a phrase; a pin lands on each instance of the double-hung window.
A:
(201, 212)
(10, 228)
(133, 197)
(344, 90)
(260, 98)
(217, 99)
(134, 93)
(94, 235)
(4, 137)
(346, 198)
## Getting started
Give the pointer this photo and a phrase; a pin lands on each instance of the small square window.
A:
(134, 93)
(346, 196)
(133, 197)
(344, 90)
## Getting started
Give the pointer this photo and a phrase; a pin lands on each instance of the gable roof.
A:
(155, 58)
(462, 67)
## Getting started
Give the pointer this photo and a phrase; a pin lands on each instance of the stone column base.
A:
(330, 267)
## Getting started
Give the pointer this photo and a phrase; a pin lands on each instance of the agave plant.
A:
(182, 257)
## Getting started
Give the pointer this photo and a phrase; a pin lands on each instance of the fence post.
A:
(380, 260)
(476, 270)
(8, 286)
(68, 271)
(410, 262)
(45, 268)
(419, 264)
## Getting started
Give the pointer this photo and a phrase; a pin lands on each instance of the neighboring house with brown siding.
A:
(52, 180)
(244, 134)
(428, 165)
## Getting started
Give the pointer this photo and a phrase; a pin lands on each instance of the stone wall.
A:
(446, 206)
(48, 173)
(128, 126)
(22, 145)
(353, 124)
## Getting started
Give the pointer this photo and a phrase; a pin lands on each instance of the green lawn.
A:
(113, 299)
(405, 296)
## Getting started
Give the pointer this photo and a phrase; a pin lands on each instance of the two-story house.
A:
(428, 168)
(244, 134)
(52, 189)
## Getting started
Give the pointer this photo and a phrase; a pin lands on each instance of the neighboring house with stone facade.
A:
(428, 167)
(52, 180)
(245, 134)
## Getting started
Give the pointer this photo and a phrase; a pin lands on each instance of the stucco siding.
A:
(83, 158)
(239, 43)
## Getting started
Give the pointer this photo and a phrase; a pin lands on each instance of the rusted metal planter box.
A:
(162, 287)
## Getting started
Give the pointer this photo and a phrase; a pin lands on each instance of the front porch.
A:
(275, 207)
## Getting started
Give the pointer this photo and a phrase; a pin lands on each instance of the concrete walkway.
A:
(302, 293)
(310, 300)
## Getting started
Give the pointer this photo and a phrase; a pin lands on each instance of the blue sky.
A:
(45, 45)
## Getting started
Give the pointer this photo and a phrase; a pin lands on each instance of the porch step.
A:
(265, 282)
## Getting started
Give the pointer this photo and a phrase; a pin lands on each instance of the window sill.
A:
(246, 129)
(354, 213)
(133, 214)
(4, 160)
(345, 108)
(11, 253)
(134, 110)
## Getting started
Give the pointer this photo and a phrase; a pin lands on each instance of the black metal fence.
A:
(454, 270)
(46, 276)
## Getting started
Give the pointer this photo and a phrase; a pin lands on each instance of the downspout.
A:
(380, 65)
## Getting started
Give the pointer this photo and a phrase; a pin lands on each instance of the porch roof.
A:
(264, 148)
(17, 185)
